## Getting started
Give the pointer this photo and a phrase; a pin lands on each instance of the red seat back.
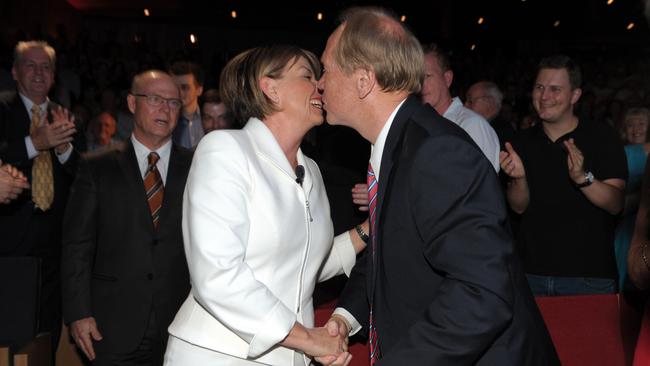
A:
(586, 330)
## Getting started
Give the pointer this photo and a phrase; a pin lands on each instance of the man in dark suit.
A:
(35, 137)
(439, 283)
(124, 270)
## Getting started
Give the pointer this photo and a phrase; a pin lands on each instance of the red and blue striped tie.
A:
(153, 185)
(372, 206)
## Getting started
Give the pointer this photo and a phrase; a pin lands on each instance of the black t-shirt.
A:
(562, 233)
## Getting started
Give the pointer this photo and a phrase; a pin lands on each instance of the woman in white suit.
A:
(256, 224)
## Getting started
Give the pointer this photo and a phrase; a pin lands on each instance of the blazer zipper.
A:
(306, 254)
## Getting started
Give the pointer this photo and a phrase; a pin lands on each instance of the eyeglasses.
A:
(474, 100)
(156, 100)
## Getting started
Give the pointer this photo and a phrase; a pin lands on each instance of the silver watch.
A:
(589, 178)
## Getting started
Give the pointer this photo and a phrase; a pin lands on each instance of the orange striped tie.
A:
(154, 187)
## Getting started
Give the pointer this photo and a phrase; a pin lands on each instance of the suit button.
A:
(155, 242)
(150, 276)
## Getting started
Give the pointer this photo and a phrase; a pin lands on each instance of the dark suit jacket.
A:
(446, 288)
(116, 266)
(27, 231)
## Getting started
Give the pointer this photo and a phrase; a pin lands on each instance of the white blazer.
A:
(256, 243)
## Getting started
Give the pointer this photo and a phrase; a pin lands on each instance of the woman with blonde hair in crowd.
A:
(634, 132)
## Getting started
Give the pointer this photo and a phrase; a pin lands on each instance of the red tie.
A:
(153, 185)
(372, 205)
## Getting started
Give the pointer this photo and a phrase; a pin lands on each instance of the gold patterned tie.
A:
(42, 181)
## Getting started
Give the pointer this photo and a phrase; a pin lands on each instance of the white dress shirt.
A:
(376, 153)
(477, 128)
(142, 155)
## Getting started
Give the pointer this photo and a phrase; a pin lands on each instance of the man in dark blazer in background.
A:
(35, 137)
(123, 266)
(439, 277)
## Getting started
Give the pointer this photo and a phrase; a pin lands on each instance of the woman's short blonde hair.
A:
(634, 112)
(373, 39)
(239, 84)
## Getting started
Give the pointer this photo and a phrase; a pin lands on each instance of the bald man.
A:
(123, 266)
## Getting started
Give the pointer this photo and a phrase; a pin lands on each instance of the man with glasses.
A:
(486, 99)
(124, 269)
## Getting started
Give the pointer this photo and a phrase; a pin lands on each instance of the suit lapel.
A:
(19, 113)
(17, 128)
(391, 148)
(135, 186)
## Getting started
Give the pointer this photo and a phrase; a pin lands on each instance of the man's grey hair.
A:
(23, 46)
(492, 89)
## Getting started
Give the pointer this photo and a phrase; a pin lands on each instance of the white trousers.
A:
(181, 353)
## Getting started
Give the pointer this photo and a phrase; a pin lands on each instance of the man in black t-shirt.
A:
(567, 179)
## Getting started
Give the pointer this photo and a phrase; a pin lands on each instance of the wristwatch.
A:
(589, 178)
(362, 234)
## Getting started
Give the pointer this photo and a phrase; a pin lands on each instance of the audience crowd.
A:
(568, 137)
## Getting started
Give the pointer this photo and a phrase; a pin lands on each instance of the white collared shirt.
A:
(377, 150)
(477, 128)
(142, 155)
(376, 153)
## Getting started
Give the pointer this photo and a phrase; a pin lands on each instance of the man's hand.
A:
(12, 182)
(337, 326)
(322, 343)
(511, 163)
(342, 360)
(575, 162)
(84, 331)
(57, 134)
(360, 196)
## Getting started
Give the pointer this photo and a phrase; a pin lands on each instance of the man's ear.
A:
(449, 77)
(575, 95)
(269, 87)
(365, 82)
(130, 101)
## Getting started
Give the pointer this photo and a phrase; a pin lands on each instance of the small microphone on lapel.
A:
(300, 174)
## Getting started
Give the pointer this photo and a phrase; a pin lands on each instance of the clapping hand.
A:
(12, 183)
(57, 134)
(575, 161)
